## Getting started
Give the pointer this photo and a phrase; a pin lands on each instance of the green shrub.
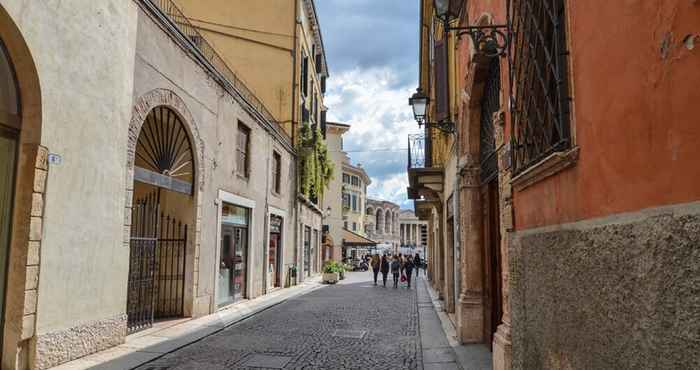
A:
(332, 266)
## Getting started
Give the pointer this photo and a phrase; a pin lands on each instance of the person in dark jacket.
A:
(396, 270)
(384, 268)
(374, 262)
(408, 268)
(417, 264)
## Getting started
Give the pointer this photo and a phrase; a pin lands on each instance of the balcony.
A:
(425, 178)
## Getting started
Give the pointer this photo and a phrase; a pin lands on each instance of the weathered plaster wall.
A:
(633, 104)
(161, 64)
(85, 95)
(614, 293)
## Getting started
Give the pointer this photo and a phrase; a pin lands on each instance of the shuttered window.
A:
(243, 150)
(305, 74)
(442, 108)
(276, 172)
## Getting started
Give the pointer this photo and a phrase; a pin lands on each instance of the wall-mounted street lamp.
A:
(419, 101)
(491, 40)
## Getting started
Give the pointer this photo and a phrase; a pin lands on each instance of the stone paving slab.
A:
(303, 329)
(151, 344)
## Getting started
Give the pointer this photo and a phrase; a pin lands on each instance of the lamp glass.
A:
(441, 7)
(419, 105)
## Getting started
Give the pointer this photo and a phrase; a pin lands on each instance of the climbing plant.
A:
(316, 166)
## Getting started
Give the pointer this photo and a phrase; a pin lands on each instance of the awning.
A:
(351, 239)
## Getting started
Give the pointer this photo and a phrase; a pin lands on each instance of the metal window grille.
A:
(490, 104)
(539, 77)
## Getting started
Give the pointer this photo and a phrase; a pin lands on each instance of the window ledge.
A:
(553, 164)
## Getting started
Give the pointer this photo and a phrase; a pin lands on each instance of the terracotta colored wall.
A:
(636, 89)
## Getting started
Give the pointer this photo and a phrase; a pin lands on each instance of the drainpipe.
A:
(295, 195)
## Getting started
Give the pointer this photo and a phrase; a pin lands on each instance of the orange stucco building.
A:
(576, 200)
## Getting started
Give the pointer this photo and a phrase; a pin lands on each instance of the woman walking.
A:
(384, 267)
(408, 267)
(375, 267)
(395, 270)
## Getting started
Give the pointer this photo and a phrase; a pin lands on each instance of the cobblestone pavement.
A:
(309, 332)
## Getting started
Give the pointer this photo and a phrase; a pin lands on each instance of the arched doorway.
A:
(9, 149)
(161, 218)
(488, 171)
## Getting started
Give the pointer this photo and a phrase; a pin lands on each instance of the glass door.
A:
(8, 152)
(307, 251)
(233, 255)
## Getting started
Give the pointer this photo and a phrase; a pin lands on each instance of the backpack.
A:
(395, 266)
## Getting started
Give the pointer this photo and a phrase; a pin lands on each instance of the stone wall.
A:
(619, 292)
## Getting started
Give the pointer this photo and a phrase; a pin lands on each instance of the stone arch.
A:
(26, 210)
(380, 221)
(387, 221)
(142, 107)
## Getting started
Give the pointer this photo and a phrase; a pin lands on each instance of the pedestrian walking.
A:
(375, 263)
(396, 270)
(417, 264)
(408, 267)
(384, 268)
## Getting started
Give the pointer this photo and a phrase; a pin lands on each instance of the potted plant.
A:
(331, 272)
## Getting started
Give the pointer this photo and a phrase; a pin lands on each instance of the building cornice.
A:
(310, 8)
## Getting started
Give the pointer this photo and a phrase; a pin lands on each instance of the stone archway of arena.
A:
(165, 177)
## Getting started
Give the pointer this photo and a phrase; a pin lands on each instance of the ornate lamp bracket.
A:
(491, 40)
(445, 126)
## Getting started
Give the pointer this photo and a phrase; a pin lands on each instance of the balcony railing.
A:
(417, 152)
(192, 34)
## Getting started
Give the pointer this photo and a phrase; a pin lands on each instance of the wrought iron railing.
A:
(417, 151)
(539, 76)
(192, 34)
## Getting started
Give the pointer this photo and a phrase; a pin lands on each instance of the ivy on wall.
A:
(315, 163)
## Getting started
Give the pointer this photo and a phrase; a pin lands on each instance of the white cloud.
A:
(374, 103)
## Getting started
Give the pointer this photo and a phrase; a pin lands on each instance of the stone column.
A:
(470, 315)
(502, 344)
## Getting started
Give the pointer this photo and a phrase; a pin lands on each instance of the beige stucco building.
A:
(413, 232)
(276, 48)
(333, 200)
(147, 159)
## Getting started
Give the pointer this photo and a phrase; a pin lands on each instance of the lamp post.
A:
(419, 102)
(491, 40)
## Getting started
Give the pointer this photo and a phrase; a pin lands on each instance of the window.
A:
(346, 224)
(243, 150)
(354, 202)
(346, 178)
(346, 200)
(354, 226)
(540, 82)
(304, 74)
(276, 172)
(355, 181)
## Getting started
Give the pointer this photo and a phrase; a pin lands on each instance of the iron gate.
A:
(156, 265)
(490, 103)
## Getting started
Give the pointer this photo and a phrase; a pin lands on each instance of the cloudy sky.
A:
(372, 52)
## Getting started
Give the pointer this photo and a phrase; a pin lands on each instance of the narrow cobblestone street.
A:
(352, 325)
